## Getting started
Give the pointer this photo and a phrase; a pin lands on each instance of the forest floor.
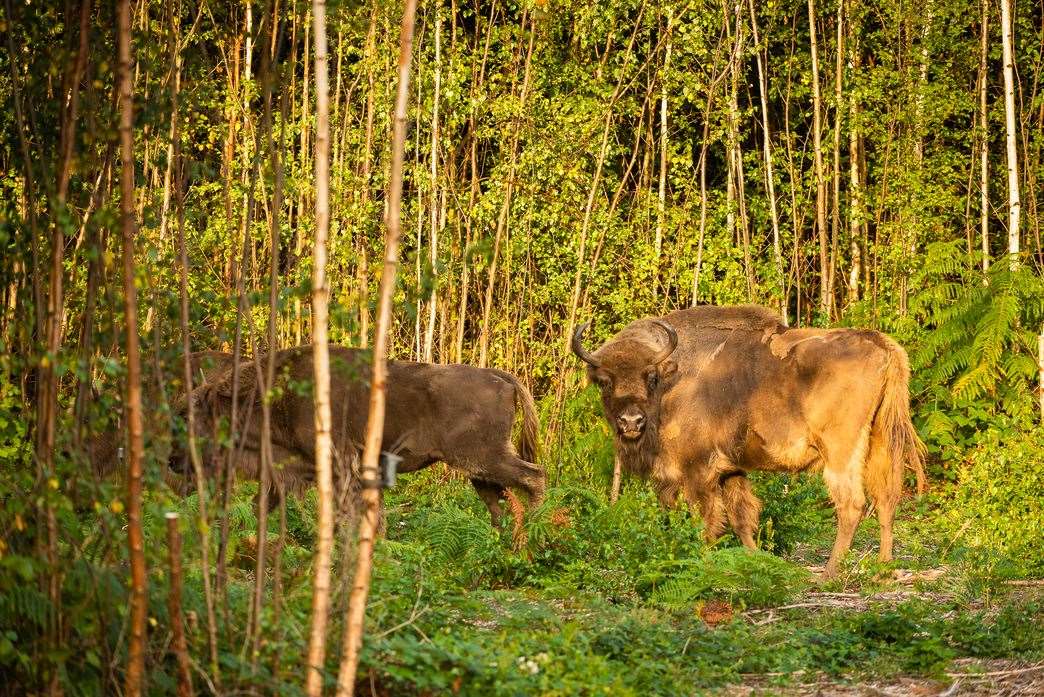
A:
(626, 600)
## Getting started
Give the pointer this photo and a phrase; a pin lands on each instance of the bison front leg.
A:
(742, 507)
(707, 499)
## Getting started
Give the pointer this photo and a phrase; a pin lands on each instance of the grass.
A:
(622, 599)
(626, 599)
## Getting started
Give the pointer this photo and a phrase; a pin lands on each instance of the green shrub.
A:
(996, 504)
(749, 578)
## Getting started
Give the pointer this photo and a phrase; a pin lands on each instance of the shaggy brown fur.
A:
(456, 414)
(741, 392)
(103, 449)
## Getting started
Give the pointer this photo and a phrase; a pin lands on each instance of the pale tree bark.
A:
(737, 178)
(433, 235)
(1040, 371)
(817, 146)
(984, 136)
(1014, 205)
(835, 221)
(135, 673)
(371, 493)
(770, 182)
(320, 345)
(855, 182)
(661, 194)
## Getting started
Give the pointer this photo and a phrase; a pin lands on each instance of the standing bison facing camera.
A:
(456, 414)
(702, 396)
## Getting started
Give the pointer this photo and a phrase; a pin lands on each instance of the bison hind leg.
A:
(884, 477)
(844, 480)
(501, 471)
(742, 507)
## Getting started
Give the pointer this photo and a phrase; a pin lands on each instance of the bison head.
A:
(631, 372)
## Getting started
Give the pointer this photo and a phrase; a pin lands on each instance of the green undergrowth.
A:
(593, 599)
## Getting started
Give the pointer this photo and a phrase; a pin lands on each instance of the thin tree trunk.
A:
(737, 178)
(433, 235)
(320, 345)
(770, 180)
(614, 491)
(177, 627)
(704, 145)
(855, 184)
(1014, 206)
(47, 397)
(661, 194)
(371, 494)
(592, 194)
(835, 221)
(364, 205)
(505, 208)
(266, 378)
(984, 140)
(190, 412)
(817, 144)
(135, 674)
(1040, 371)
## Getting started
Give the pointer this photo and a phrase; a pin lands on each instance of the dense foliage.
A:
(566, 161)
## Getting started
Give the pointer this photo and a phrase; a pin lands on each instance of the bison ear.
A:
(667, 369)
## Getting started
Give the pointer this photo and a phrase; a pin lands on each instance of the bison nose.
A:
(630, 424)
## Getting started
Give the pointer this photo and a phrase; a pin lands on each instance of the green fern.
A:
(977, 358)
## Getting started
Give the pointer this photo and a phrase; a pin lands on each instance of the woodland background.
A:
(846, 163)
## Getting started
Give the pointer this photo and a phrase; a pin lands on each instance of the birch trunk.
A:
(661, 194)
(433, 235)
(984, 139)
(855, 183)
(320, 345)
(770, 182)
(817, 146)
(1014, 206)
(371, 494)
(135, 674)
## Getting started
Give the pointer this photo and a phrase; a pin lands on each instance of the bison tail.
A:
(893, 420)
(529, 439)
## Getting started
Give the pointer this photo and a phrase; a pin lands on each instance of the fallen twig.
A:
(998, 673)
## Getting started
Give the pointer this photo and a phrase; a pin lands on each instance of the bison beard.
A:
(639, 456)
(750, 394)
(456, 414)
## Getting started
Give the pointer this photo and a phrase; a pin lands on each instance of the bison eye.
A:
(653, 379)
(604, 381)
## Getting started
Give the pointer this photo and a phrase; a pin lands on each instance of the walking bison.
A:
(702, 396)
(457, 414)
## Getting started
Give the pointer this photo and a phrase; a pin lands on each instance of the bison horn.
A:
(672, 341)
(578, 346)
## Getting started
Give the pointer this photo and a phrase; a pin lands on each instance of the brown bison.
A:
(702, 396)
(456, 414)
(105, 449)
